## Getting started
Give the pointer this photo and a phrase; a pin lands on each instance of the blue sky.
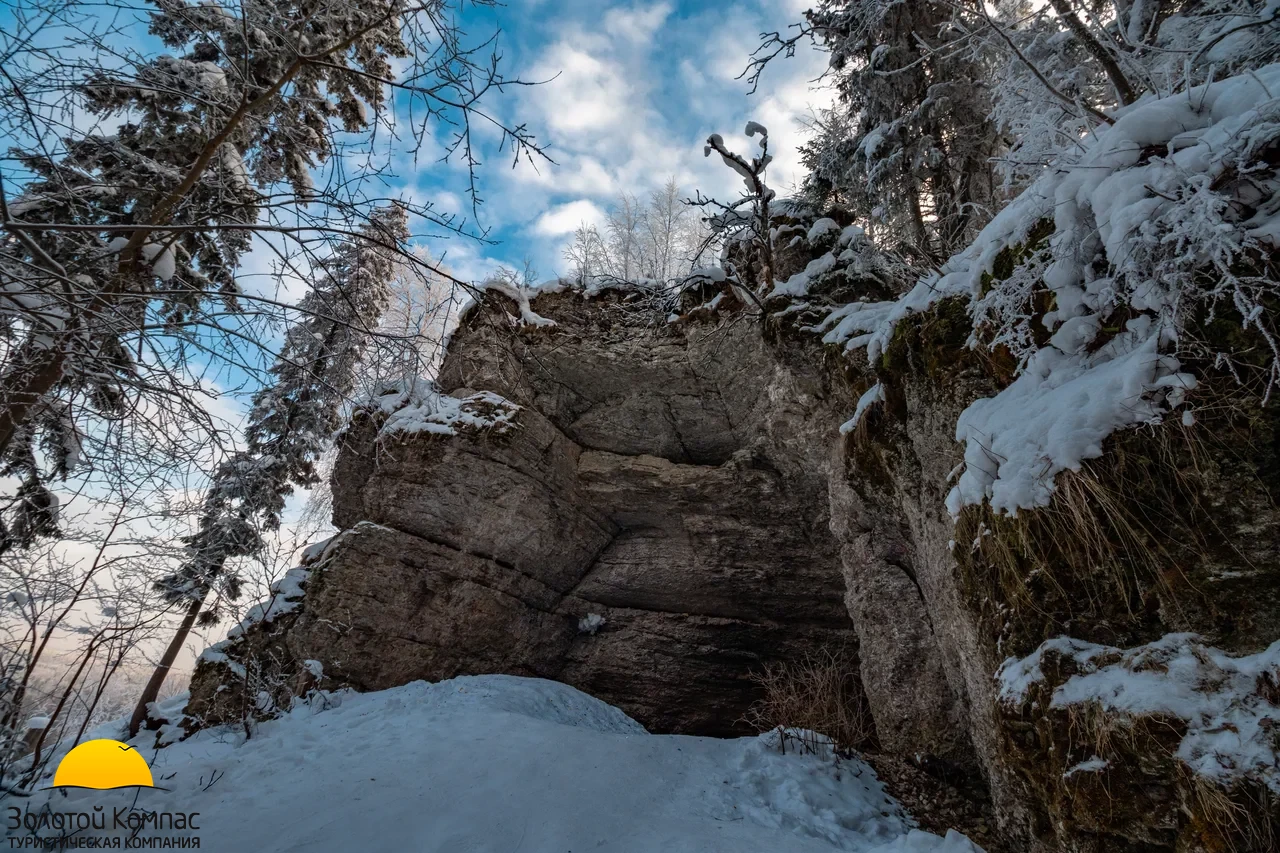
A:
(637, 88)
(633, 89)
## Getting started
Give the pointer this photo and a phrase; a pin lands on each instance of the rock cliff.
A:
(653, 511)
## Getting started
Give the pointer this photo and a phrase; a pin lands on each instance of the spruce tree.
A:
(290, 424)
(908, 145)
(120, 245)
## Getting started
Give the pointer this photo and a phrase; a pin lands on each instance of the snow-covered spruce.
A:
(502, 763)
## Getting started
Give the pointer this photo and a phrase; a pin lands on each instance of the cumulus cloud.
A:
(631, 92)
(637, 24)
(564, 218)
(583, 92)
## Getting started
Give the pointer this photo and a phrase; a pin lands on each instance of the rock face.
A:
(620, 491)
(673, 508)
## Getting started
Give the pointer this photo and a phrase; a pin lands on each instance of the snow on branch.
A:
(731, 218)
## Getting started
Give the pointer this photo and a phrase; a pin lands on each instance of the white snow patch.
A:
(1230, 722)
(503, 763)
(422, 408)
(874, 394)
(286, 595)
(821, 228)
(316, 550)
(162, 259)
(852, 324)
(798, 284)
(1057, 414)
(216, 654)
(520, 295)
(1091, 765)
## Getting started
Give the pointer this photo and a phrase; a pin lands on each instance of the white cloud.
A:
(564, 218)
(632, 91)
(637, 24)
(583, 92)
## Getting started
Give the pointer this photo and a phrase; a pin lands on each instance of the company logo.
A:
(103, 765)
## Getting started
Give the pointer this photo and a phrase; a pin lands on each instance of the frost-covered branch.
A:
(757, 197)
(143, 177)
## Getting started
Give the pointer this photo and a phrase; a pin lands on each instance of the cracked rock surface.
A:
(677, 481)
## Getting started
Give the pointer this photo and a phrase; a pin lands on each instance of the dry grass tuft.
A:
(813, 699)
(1241, 820)
(1114, 543)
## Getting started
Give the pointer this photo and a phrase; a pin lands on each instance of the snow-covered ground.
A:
(497, 763)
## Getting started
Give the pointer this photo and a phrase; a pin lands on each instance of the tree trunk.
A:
(1124, 89)
(33, 377)
(152, 689)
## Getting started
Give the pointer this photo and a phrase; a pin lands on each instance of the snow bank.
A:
(506, 763)
(1227, 703)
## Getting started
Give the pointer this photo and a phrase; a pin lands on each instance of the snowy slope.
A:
(498, 763)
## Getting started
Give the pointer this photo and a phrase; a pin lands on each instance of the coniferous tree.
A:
(120, 250)
(908, 145)
(291, 423)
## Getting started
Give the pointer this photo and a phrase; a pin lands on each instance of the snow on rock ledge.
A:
(1229, 705)
(1144, 227)
(427, 410)
(1057, 414)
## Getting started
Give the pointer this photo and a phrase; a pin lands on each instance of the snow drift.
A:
(503, 763)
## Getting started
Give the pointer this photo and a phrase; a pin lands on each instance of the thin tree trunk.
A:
(152, 689)
(42, 371)
(1124, 89)
(89, 654)
(107, 674)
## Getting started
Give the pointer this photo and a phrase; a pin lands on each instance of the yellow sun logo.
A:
(103, 765)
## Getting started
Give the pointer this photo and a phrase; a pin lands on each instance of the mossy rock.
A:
(1012, 257)
(934, 344)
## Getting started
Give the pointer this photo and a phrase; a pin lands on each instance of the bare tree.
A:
(588, 255)
(747, 220)
(624, 227)
(666, 226)
(656, 240)
(73, 610)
